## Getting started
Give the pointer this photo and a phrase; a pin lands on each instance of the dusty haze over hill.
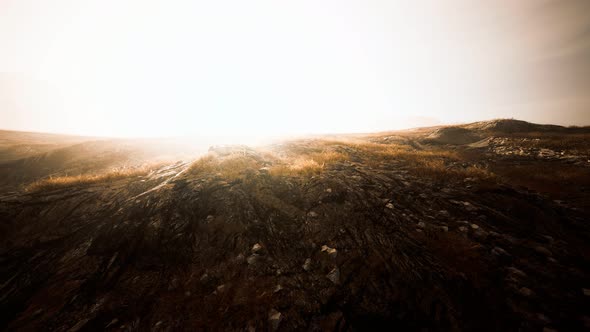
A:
(151, 68)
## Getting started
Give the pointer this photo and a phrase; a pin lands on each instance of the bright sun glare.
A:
(155, 68)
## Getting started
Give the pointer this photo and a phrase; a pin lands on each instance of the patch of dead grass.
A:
(308, 163)
(88, 179)
(232, 167)
(312, 157)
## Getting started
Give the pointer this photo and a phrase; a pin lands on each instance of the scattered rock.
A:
(334, 276)
(495, 234)
(312, 214)
(444, 228)
(543, 251)
(474, 226)
(253, 259)
(421, 224)
(480, 234)
(307, 264)
(516, 272)
(463, 229)
(330, 251)
(497, 251)
(274, 318)
(257, 248)
(389, 205)
(113, 322)
(524, 291)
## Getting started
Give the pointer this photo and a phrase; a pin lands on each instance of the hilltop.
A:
(410, 230)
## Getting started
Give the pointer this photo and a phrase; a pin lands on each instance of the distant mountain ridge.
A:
(475, 131)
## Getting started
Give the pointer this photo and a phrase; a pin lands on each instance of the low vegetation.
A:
(58, 182)
(311, 158)
(231, 167)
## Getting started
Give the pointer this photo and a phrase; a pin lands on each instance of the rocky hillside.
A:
(472, 132)
(378, 232)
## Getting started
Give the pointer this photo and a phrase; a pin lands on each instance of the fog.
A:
(238, 69)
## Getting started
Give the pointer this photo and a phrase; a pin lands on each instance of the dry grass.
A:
(297, 167)
(87, 179)
(436, 164)
(310, 158)
(232, 167)
(307, 163)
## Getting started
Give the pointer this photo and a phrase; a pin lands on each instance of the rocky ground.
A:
(428, 236)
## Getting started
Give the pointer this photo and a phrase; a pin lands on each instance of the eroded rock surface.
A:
(382, 248)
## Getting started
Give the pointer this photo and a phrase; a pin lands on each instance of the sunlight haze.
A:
(174, 68)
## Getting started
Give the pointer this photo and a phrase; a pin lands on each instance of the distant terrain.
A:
(475, 227)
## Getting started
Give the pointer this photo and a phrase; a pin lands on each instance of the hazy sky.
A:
(161, 68)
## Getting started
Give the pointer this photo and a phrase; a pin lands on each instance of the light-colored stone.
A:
(256, 248)
(516, 272)
(334, 276)
(330, 251)
(500, 252)
(274, 318)
(307, 264)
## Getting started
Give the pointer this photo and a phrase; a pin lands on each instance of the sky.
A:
(268, 67)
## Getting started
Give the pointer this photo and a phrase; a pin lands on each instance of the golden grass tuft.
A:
(306, 164)
(297, 167)
(87, 179)
(232, 167)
